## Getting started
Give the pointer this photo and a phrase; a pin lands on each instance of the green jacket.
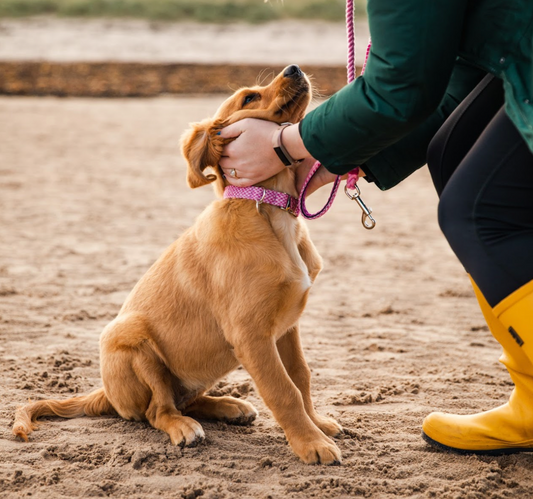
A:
(426, 56)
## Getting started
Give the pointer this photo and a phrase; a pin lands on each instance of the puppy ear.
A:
(201, 148)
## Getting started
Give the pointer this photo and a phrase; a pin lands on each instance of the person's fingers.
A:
(229, 149)
(235, 179)
(227, 164)
(238, 181)
(233, 130)
(321, 177)
(250, 156)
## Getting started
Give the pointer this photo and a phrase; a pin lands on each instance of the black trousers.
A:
(483, 172)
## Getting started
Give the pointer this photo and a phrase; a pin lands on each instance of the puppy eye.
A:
(249, 98)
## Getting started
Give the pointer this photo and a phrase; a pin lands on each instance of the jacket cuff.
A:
(381, 170)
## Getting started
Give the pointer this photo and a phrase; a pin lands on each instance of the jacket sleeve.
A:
(396, 162)
(414, 48)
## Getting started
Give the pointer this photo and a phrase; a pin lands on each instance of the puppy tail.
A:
(94, 404)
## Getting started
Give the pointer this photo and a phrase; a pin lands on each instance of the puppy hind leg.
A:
(138, 383)
(228, 409)
(161, 412)
(292, 355)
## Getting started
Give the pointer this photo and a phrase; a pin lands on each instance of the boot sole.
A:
(466, 452)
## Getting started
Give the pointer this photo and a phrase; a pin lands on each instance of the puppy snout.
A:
(292, 71)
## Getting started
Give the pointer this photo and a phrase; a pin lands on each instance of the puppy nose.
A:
(292, 71)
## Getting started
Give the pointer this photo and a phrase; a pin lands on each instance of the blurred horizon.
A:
(114, 48)
(209, 11)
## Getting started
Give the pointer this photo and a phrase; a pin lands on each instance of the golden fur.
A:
(229, 291)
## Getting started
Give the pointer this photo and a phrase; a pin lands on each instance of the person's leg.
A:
(486, 213)
(462, 128)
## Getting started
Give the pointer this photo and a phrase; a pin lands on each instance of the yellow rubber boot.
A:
(508, 428)
(516, 313)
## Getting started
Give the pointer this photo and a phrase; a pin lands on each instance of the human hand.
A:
(251, 155)
(319, 179)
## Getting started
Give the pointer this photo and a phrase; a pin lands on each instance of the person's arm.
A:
(396, 162)
(414, 48)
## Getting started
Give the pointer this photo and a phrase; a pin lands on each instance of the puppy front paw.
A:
(329, 426)
(321, 450)
(185, 432)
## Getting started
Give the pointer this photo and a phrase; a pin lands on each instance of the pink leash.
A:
(353, 176)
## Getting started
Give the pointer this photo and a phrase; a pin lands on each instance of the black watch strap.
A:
(280, 150)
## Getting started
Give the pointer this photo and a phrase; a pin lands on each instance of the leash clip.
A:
(366, 217)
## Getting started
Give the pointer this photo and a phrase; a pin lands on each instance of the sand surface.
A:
(92, 191)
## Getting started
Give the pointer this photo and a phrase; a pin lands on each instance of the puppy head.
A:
(285, 99)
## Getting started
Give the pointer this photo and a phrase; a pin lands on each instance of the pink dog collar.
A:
(261, 195)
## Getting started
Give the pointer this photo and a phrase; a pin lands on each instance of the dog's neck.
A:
(282, 222)
(281, 182)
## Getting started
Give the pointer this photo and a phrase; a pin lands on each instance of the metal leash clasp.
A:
(366, 218)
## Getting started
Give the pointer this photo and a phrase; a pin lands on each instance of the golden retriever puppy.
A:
(228, 292)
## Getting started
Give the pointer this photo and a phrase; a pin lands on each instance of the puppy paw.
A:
(238, 412)
(186, 432)
(228, 409)
(329, 426)
(318, 451)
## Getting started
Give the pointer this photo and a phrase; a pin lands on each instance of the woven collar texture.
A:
(261, 195)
